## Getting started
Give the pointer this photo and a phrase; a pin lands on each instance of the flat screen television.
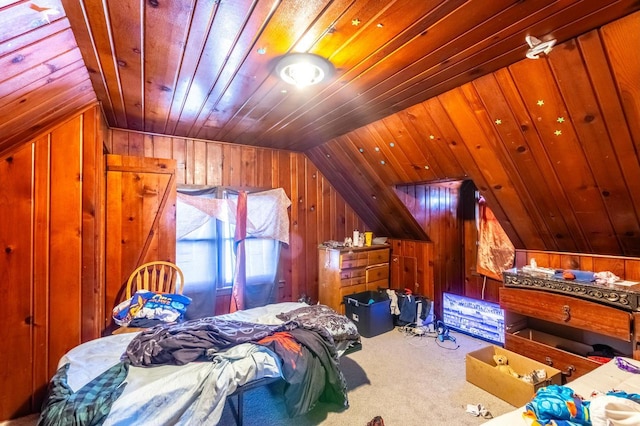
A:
(477, 318)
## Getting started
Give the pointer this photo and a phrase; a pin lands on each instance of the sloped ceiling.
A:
(43, 77)
(551, 143)
(204, 68)
(428, 76)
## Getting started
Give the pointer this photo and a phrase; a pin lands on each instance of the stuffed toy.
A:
(535, 377)
(502, 364)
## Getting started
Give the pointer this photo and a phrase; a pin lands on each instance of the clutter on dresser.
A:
(332, 244)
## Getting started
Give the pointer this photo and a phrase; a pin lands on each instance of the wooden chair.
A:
(158, 276)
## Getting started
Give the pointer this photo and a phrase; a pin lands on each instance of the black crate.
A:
(370, 311)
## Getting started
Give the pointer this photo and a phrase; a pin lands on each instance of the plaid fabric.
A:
(88, 406)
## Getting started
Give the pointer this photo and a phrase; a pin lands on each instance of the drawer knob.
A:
(570, 369)
(566, 313)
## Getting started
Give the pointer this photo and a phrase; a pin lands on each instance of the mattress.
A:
(603, 379)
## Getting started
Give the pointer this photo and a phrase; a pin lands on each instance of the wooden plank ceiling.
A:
(42, 75)
(406, 70)
(551, 143)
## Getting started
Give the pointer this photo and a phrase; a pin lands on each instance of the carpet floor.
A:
(407, 380)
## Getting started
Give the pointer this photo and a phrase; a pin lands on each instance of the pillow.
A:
(321, 316)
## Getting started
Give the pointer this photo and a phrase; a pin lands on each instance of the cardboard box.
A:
(482, 372)
(370, 311)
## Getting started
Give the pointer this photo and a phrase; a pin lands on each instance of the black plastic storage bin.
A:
(370, 311)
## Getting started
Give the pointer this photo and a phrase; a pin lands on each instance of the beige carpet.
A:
(406, 380)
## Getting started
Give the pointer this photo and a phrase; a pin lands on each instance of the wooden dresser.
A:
(558, 323)
(344, 271)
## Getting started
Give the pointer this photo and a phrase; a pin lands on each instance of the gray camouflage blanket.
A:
(179, 344)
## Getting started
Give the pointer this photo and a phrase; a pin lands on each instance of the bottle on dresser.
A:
(356, 238)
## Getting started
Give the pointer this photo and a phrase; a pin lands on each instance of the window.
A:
(206, 256)
(261, 257)
(226, 254)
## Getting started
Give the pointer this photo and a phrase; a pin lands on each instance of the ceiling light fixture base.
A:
(537, 47)
(304, 69)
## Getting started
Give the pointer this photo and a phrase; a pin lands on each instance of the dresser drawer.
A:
(345, 291)
(377, 273)
(346, 274)
(353, 263)
(377, 285)
(377, 256)
(568, 310)
(540, 347)
(353, 281)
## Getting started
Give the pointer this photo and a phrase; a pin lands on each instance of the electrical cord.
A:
(446, 347)
(440, 334)
(415, 333)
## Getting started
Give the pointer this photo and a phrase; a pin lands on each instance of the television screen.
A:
(477, 318)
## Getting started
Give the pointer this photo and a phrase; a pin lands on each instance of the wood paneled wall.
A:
(447, 213)
(51, 203)
(318, 213)
(412, 266)
(140, 220)
(437, 209)
(627, 268)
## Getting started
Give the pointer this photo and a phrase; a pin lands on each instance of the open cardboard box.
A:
(482, 372)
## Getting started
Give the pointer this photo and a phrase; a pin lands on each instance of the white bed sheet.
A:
(603, 379)
(175, 395)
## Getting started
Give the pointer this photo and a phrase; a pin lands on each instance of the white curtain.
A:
(267, 215)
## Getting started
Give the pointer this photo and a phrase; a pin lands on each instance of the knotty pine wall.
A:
(446, 211)
(52, 192)
(627, 268)
(51, 205)
(436, 207)
(318, 213)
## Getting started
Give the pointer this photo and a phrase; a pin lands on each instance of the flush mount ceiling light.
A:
(304, 69)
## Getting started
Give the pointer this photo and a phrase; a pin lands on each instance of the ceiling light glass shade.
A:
(304, 69)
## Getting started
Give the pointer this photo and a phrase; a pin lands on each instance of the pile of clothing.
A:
(561, 406)
(408, 308)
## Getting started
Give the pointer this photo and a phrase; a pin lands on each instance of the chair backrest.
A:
(158, 276)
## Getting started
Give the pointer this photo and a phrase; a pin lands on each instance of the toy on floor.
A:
(502, 364)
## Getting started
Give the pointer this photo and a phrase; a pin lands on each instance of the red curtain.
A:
(240, 276)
